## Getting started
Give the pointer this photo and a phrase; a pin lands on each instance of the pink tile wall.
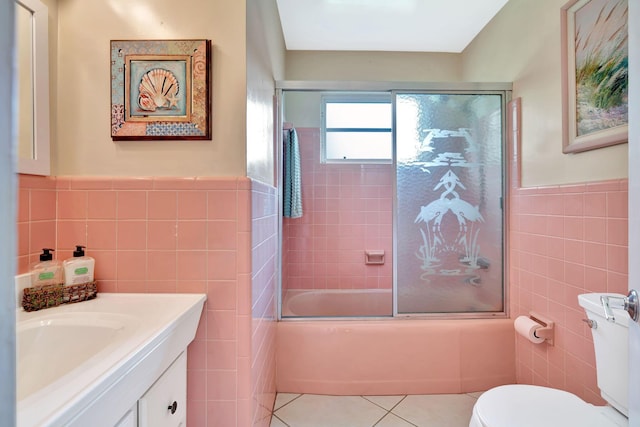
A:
(170, 235)
(197, 235)
(264, 257)
(347, 210)
(565, 240)
(36, 221)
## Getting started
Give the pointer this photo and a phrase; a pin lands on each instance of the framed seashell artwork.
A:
(160, 89)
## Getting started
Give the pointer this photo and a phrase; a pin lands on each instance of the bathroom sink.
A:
(78, 363)
(51, 346)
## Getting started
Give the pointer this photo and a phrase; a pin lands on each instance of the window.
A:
(356, 128)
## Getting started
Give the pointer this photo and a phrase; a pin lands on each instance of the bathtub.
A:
(389, 356)
(337, 303)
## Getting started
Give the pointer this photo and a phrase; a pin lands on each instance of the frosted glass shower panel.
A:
(449, 215)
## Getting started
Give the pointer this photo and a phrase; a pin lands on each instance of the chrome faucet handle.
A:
(628, 303)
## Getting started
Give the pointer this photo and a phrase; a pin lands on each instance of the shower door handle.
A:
(628, 303)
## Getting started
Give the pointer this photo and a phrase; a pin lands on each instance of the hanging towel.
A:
(292, 184)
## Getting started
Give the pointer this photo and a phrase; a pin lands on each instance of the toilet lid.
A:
(534, 406)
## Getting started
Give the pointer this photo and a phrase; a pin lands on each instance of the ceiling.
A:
(384, 25)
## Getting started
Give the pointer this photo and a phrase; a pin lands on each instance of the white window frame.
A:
(355, 98)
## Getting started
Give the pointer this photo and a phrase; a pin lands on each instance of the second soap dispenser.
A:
(79, 269)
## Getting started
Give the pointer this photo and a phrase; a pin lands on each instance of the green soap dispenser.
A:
(79, 269)
(46, 272)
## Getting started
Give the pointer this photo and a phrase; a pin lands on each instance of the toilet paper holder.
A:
(546, 331)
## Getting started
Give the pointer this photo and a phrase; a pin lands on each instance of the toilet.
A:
(522, 405)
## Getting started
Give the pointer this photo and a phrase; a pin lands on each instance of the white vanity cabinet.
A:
(165, 403)
(138, 379)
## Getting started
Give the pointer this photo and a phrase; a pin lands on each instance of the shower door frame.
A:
(394, 88)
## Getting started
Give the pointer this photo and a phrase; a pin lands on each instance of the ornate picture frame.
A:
(160, 89)
(594, 74)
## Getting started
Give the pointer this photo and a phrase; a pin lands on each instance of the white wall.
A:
(84, 145)
(265, 64)
(302, 109)
(522, 44)
(373, 66)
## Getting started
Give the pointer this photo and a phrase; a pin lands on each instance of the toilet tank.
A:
(611, 343)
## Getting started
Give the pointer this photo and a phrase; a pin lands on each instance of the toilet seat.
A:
(534, 406)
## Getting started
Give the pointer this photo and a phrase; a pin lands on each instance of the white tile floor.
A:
(312, 410)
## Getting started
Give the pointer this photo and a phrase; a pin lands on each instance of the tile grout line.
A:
(389, 411)
(279, 419)
(292, 400)
(273, 412)
(383, 417)
(399, 402)
(375, 404)
(402, 418)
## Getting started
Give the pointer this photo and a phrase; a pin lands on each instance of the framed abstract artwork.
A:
(594, 74)
(160, 89)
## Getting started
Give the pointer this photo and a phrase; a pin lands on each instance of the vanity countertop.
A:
(78, 363)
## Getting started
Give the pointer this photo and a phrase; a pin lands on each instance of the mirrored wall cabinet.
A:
(32, 87)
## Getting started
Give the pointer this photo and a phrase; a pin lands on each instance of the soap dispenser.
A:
(46, 272)
(79, 269)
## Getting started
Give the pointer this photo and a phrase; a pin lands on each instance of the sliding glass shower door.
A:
(449, 203)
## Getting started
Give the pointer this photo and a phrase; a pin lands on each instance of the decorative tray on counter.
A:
(53, 295)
